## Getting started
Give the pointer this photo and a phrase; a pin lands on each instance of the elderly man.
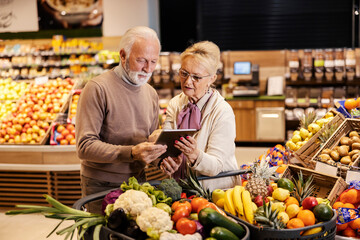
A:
(116, 114)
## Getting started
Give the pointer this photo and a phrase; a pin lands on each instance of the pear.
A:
(313, 127)
(296, 132)
(320, 122)
(296, 138)
(304, 133)
(329, 114)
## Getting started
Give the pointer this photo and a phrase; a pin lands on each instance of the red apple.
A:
(309, 203)
(70, 127)
(270, 190)
(259, 200)
(65, 132)
(60, 128)
(69, 137)
(73, 141)
(64, 142)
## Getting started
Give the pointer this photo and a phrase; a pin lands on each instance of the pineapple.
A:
(307, 119)
(260, 178)
(268, 218)
(303, 189)
(192, 185)
(327, 133)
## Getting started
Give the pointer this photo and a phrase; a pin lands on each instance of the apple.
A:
(73, 141)
(65, 132)
(258, 200)
(60, 128)
(69, 137)
(70, 127)
(270, 190)
(64, 142)
(59, 138)
(309, 203)
(217, 194)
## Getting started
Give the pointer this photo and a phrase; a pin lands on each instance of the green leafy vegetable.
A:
(171, 188)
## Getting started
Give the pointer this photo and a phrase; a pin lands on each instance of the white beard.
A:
(137, 78)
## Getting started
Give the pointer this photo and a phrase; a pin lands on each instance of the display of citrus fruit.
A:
(348, 205)
(349, 196)
(307, 217)
(355, 224)
(340, 227)
(350, 103)
(337, 205)
(323, 212)
(286, 184)
(295, 223)
(291, 200)
(348, 232)
(292, 210)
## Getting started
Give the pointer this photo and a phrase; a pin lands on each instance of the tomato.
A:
(198, 202)
(207, 205)
(180, 213)
(181, 203)
(186, 226)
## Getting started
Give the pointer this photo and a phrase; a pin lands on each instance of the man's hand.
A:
(154, 135)
(170, 165)
(147, 152)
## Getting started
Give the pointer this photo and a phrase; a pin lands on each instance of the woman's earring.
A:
(208, 90)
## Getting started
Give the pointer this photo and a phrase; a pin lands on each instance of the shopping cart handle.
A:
(226, 174)
(81, 202)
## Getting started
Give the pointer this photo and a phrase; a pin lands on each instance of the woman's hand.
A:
(188, 147)
(170, 165)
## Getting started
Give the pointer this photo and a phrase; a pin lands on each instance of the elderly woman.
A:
(212, 149)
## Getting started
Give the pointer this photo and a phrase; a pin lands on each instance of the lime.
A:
(286, 184)
(323, 212)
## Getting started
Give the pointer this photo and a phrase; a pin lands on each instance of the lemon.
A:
(281, 194)
(280, 206)
(292, 210)
(220, 203)
(284, 217)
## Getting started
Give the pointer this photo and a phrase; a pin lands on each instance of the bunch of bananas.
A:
(238, 202)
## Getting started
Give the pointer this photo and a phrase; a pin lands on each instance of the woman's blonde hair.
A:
(205, 53)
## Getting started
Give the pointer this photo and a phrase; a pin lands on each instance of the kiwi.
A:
(335, 155)
(326, 151)
(355, 139)
(355, 146)
(353, 152)
(344, 141)
(354, 134)
(324, 157)
(345, 160)
(355, 156)
(343, 151)
(331, 162)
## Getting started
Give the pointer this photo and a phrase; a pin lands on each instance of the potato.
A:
(354, 133)
(345, 141)
(343, 151)
(331, 162)
(326, 151)
(324, 157)
(353, 152)
(345, 160)
(335, 155)
(355, 139)
(355, 146)
(354, 157)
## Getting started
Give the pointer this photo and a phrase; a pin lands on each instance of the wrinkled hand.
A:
(170, 165)
(188, 147)
(154, 135)
(147, 152)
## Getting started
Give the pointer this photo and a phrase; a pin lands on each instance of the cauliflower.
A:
(157, 219)
(133, 202)
(179, 236)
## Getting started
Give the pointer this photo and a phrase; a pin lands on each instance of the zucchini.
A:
(210, 218)
(221, 233)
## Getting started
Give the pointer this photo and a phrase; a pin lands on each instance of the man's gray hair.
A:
(128, 39)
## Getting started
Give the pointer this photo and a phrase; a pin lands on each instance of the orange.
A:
(349, 232)
(340, 227)
(291, 200)
(295, 223)
(355, 224)
(349, 196)
(337, 205)
(244, 183)
(307, 217)
(281, 168)
(348, 205)
(350, 103)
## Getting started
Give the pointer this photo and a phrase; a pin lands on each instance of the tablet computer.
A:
(169, 136)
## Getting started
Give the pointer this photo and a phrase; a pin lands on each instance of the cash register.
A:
(246, 77)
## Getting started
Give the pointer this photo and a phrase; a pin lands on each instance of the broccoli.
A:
(171, 188)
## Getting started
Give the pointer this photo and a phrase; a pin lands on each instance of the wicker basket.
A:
(326, 186)
(304, 154)
(344, 129)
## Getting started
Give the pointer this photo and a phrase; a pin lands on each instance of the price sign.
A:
(352, 175)
(41, 80)
(326, 169)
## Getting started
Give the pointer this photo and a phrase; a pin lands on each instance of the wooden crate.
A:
(152, 172)
(304, 154)
(66, 186)
(23, 187)
(350, 124)
(326, 186)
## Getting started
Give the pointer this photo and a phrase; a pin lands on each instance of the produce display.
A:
(349, 107)
(30, 120)
(73, 105)
(347, 206)
(63, 134)
(309, 126)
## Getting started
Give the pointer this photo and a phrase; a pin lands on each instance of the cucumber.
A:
(210, 218)
(221, 233)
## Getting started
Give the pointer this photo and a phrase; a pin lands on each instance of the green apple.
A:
(217, 194)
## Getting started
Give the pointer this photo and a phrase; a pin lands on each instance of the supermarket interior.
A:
(289, 71)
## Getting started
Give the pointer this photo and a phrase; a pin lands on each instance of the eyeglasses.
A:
(184, 75)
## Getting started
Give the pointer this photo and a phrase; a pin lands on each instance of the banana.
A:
(248, 210)
(239, 207)
(229, 201)
(312, 231)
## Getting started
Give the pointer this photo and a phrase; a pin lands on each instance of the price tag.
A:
(352, 175)
(289, 100)
(301, 100)
(41, 80)
(313, 100)
(325, 100)
(326, 169)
